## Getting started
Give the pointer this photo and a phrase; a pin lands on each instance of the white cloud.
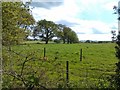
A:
(96, 37)
(86, 26)
(65, 11)
(72, 10)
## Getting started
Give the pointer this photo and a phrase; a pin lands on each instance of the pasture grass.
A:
(98, 61)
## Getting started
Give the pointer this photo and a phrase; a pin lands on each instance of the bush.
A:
(57, 41)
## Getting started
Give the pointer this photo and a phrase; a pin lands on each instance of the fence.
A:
(67, 66)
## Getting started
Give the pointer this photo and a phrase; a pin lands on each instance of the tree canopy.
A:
(45, 30)
(16, 18)
(48, 29)
(66, 34)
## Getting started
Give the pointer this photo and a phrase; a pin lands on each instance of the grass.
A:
(98, 61)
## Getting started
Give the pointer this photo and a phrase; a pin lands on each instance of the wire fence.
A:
(51, 73)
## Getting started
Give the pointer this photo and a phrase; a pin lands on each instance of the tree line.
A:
(48, 29)
(18, 22)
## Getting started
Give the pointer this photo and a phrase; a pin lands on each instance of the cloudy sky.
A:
(90, 19)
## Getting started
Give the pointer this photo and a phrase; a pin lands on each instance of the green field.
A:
(98, 63)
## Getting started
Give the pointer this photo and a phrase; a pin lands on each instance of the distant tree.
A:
(66, 34)
(57, 40)
(88, 41)
(45, 30)
(16, 18)
(60, 32)
(72, 37)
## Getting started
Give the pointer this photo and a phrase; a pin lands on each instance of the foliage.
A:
(48, 29)
(66, 34)
(87, 41)
(116, 78)
(29, 70)
(45, 30)
(117, 75)
(16, 18)
(57, 41)
(113, 32)
(73, 37)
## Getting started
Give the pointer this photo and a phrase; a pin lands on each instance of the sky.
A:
(90, 19)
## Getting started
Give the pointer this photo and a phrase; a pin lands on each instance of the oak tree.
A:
(45, 30)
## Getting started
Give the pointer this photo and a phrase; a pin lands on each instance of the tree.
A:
(113, 32)
(60, 32)
(72, 37)
(116, 79)
(45, 30)
(87, 41)
(117, 76)
(66, 34)
(16, 19)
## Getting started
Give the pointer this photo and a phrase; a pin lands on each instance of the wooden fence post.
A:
(44, 51)
(80, 54)
(67, 73)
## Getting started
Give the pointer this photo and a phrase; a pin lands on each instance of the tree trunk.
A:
(46, 41)
(68, 41)
(63, 41)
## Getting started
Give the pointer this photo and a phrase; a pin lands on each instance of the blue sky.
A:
(90, 19)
